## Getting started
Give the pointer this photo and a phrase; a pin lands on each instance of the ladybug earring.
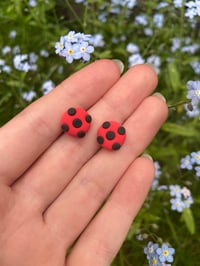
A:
(111, 135)
(76, 122)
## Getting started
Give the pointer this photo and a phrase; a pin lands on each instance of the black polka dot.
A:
(106, 124)
(81, 134)
(116, 146)
(65, 127)
(100, 139)
(121, 130)
(77, 123)
(71, 111)
(88, 118)
(110, 135)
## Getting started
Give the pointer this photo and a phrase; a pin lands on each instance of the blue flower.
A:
(148, 31)
(154, 261)
(158, 20)
(178, 3)
(74, 46)
(183, 198)
(32, 3)
(157, 256)
(191, 113)
(188, 202)
(6, 49)
(165, 253)
(47, 86)
(176, 43)
(132, 48)
(193, 92)
(83, 50)
(71, 37)
(12, 34)
(157, 175)
(177, 204)
(150, 250)
(135, 59)
(193, 9)
(97, 40)
(190, 48)
(175, 190)
(162, 5)
(68, 52)
(186, 163)
(130, 3)
(158, 171)
(141, 20)
(196, 66)
(155, 61)
(59, 46)
(44, 53)
(195, 157)
(29, 96)
(197, 169)
(25, 62)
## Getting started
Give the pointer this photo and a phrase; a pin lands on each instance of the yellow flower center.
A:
(165, 253)
(197, 157)
(70, 36)
(61, 45)
(70, 51)
(83, 49)
(153, 261)
(197, 93)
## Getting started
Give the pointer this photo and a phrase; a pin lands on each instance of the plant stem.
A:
(172, 229)
(74, 12)
(179, 103)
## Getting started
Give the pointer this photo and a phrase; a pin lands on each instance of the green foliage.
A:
(188, 218)
(41, 26)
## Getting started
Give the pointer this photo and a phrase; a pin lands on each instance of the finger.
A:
(121, 100)
(103, 237)
(23, 139)
(97, 178)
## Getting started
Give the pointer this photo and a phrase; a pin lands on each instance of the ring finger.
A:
(99, 176)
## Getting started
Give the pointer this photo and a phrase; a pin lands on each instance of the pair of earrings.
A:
(76, 122)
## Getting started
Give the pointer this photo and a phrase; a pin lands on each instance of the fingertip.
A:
(109, 66)
(162, 101)
(146, 73)
(146, 162)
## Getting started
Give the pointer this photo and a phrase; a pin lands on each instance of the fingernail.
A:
(159, 95)
(120, 65)
(147, 156)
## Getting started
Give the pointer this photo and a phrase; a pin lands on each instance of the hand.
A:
(52, 185)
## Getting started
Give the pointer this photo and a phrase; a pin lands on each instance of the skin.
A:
(52, 185)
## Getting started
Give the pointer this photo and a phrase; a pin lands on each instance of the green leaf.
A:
(5, 98)
(188, 218)
(180, 130)
(174, 76)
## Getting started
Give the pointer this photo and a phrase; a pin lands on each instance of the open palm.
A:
(53, 186)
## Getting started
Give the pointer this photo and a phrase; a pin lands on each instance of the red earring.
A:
(76, 122)
(111, 135)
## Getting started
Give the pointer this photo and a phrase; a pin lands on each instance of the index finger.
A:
(28, 135)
